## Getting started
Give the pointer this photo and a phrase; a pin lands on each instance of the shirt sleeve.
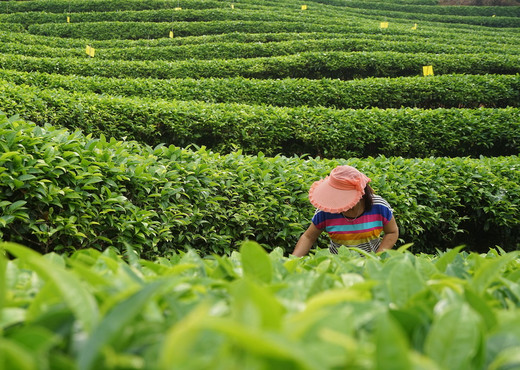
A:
(384, 209)
(319, 219)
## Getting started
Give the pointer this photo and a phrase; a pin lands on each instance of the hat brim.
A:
(329, 199)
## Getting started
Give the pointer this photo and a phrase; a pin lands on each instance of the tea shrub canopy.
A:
(64, 190)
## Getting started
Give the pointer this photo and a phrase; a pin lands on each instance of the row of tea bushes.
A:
(446, 91)
(257, 13)
(64, 6)
(312, 65)
(408, 132)
(231, 50)
(510, 21)
(147, 30)
(465, 41)
(62, 191)
(471, 11)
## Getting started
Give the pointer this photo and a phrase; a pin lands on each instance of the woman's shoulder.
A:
(379, 200)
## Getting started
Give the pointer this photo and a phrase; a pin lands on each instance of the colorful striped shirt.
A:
(363, 232)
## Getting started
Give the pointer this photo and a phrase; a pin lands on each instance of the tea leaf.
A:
(392, 348)
(70, 287)
(454, 338)
(490, 270)
(114, 322)
(256, 262)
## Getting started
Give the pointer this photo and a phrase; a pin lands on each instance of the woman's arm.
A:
(391, 235)
(306, 241)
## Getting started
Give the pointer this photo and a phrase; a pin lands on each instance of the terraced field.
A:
(323, 81)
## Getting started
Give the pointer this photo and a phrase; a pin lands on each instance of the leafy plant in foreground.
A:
(450, 310)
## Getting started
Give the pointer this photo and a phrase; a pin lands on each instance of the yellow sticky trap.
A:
(493, 15)
(427, 70)
(414, 26)
(383, 25)
(304, 7)
(177, 8)
(171, 34)
(90, 51)
(68, 19)
(232, 6)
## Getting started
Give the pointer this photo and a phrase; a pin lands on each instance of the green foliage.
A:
(445, 91)
(393, 310)
(63, 191)
(341, 65)
(475, 15)
(407, 132)
(228, 50)
(63, 6)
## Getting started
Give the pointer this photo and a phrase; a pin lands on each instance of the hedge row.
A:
(340, 65)
(484, 11)
(56, 42)
(164, 15)
(487, 21)
(11, 27)
(231, 50)
(148, 30)
(445, 91)
(62, 191)
(78, 6)
(316, 131)
(424, 36)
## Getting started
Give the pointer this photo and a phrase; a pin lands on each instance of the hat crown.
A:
(347, 177)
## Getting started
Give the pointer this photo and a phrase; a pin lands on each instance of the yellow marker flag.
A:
(177, 8)
(427, 70)
(304, 7)
(493, 15)
(171, 34)
(232, 6)
(90, 51)
(414, 26)
(68, 19)
(383, 25)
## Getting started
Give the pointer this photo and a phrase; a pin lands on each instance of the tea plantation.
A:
(154, 168)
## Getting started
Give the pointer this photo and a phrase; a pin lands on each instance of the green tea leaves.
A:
(254, 309)
(113, 323)
(76, 296)
(255, 262)
(455, 338)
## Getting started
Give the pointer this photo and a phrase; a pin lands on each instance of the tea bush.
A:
(448, 91)
(103, 310)
(62, 191)
(314, 131)
(339, 65)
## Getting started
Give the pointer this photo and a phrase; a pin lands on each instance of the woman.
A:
(350, 212)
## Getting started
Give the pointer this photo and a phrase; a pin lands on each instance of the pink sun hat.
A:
(340, 191)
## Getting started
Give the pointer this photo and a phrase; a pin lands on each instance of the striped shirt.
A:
(363, 232)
